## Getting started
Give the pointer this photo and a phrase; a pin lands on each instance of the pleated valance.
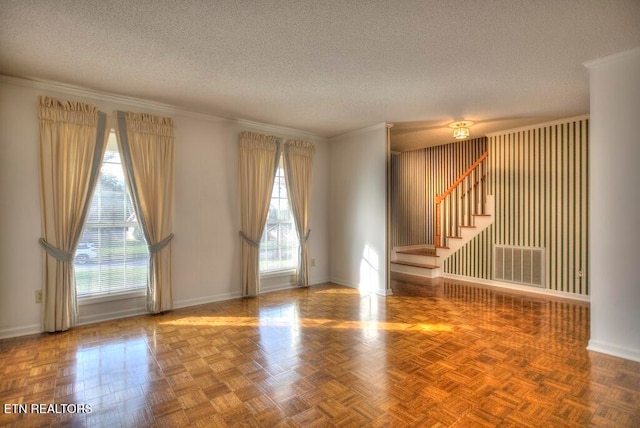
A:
(300, 147)
(68, 111)
(254, 140)
(145, 123)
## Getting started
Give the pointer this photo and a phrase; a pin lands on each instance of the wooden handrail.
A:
(437, 238)
(440, 198)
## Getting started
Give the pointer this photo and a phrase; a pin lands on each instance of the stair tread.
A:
(431, 252)
(421, 265)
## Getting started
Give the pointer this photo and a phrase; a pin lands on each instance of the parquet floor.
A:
(436, 353)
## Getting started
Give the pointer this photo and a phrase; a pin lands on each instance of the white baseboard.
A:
(185, 303)
(236, 295)
(378, 291)
(277, 287)
(319, 281)
(519, 288)
(615, 350)
(344, 282)
(26, 330)
(178, 304)
(384, 292)
(113, 315)
(289, 286)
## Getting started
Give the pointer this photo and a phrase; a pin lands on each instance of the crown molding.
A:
(382, 125)
(611, 59)
(539, 125)
(80, 91)
(47, 85)
(281, 131)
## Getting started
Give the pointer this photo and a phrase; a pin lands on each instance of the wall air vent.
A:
(522, 265)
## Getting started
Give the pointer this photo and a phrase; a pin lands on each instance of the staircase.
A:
(461, 212)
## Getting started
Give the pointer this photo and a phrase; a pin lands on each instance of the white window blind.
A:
(112, 255)
(279, 244)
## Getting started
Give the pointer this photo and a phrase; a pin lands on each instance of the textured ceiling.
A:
(328, 67)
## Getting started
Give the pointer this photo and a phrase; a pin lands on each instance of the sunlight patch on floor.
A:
(303, 322)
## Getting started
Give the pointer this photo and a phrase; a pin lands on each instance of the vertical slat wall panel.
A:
(412, 205)
(395, 193)
(539, 181)
(420, 175)
(475, 258)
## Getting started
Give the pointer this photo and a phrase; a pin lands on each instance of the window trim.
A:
(119, 294)
(278, 273)
(110, 297)
(291, 269)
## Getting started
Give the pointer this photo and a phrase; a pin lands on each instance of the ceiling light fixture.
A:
(461, 129)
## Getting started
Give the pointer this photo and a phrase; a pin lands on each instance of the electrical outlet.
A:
(313, 262)
(38, 296)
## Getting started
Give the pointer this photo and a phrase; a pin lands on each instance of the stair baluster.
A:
(465, 198)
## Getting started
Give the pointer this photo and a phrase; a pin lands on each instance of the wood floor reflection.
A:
(438, 353)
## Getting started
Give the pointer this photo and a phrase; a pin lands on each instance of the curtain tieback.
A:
(305, 238)
(250, 241)
(160, 245)
(55, 252)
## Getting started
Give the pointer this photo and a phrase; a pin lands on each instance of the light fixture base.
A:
(461, 124)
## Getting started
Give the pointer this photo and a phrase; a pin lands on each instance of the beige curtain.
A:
(146, 145)
(72, 143)
(297, 168)
(258, 161)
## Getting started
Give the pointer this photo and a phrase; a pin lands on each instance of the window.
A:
(279, 243)
(112, 255)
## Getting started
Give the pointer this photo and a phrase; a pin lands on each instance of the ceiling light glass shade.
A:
(461, 129)
(460, 133)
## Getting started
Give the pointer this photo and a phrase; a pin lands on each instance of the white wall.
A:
(614, 203)
(358, 209)
(206, 221)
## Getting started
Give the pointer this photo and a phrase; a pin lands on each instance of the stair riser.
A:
(413, 270)
(415, 258)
